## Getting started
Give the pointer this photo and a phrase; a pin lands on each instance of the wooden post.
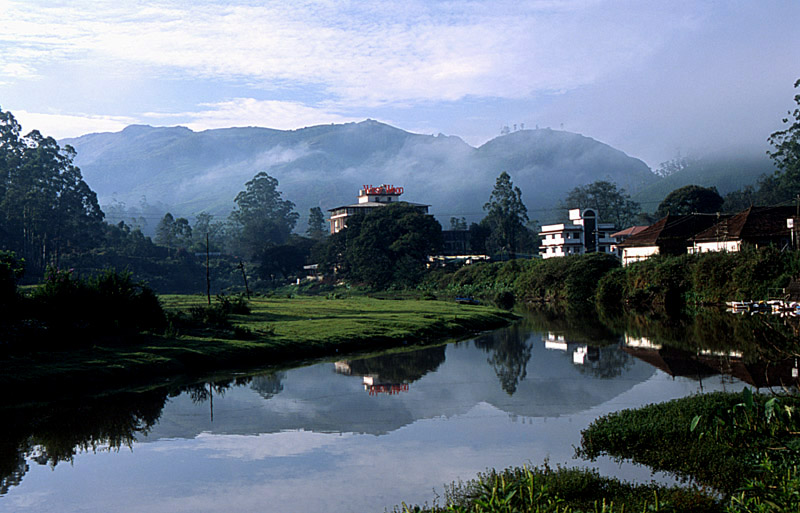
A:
(208, 274)
(244, 277)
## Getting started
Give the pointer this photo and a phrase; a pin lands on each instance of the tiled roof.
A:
(671, 229)
(753, 223)
(627, 232)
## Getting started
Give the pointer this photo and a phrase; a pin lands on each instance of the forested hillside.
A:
(189, 172)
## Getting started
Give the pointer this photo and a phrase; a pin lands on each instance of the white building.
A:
(584, 235)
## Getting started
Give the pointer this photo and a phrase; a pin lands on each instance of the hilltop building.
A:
(369, 197)
(585, 235)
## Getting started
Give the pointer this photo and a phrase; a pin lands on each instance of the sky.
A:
(654, 79)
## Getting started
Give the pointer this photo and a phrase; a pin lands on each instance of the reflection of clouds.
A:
(32, 501)
(257, 447)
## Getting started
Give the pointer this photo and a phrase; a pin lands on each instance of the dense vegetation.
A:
(66, 312)
(659, 283)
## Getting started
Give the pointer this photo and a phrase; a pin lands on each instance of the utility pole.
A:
(244, 277)
(208, 274)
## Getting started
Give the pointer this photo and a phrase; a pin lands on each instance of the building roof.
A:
(627, 232)
(753, 223)
(672, 229)
(374, 204)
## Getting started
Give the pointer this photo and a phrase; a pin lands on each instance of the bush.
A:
(110, 304)
(11, 270)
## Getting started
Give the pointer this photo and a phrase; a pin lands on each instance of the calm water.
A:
(354, 435)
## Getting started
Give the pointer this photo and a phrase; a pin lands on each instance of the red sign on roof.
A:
(382, 189)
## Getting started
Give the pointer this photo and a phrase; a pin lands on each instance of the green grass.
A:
(563, 490)
(278, 331)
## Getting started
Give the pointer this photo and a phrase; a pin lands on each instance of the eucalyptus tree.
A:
(316, 223)
(261, 215)
(506, 216)
(46, 209)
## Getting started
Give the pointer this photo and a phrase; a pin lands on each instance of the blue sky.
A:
(650, 78)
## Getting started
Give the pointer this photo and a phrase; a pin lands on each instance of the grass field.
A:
(276, 332)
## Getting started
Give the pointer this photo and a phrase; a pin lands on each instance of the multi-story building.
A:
(585, 235)
(369, 197)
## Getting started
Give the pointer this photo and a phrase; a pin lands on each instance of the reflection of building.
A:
(580, 355)
(374, 387)
(705, 363)
(372, 382)
(555, 342)
(369, 197)
(586, 234)
(584, 353)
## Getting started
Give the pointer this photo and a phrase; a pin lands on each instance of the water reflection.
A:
(392, 373)
(510, 351)
(507, 397)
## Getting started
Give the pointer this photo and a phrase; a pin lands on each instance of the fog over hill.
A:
(189, 172)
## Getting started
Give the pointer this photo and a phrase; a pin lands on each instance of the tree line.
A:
(49, 216)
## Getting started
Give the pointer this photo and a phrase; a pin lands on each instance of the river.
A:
(355, 435)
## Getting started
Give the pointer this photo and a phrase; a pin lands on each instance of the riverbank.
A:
(740, 450)
(275, 332)
(660, 283)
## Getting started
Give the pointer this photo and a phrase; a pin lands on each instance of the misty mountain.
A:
(189, 172)
(727, 172)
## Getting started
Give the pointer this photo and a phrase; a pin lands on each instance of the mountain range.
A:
(175, 169)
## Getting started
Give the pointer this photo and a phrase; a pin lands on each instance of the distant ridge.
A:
(188, 172)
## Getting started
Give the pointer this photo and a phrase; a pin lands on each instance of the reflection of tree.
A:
(510, 353)
(53, 434)
(202, 392)
(610, 363)
(400, 367)
(13, 464)
(268, 385)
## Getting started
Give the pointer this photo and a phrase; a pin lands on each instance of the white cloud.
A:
(259, 447)
(250, 112)
(61, 126)
(367, 53)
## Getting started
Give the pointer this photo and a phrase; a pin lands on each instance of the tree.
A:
(46, 209)
(261, 215)
(285, 260)
(388, 246)
(506, 217)
(786, 156)
(204, 225)
(458, 224)
(316, 223)
(690, 199)
(173, 233)
(612, 204)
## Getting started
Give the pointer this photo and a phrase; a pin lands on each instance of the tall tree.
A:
(316, 223)
(174, 233)
(786, 156)
(458, 224)
(46, 209)
(261, 216)
(690, 199)
(506, 216)
(612, 204)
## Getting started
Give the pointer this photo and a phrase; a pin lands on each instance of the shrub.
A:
(110, 304)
